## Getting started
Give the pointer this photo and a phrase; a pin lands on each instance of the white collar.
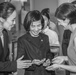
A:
(45, 30)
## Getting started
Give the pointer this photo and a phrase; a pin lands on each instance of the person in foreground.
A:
(34, 45)
(66, 15)
(7, 21)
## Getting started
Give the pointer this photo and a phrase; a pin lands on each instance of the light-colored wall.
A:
(2, 1)
(41, 4)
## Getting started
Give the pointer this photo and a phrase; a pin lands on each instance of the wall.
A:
(2, 1)
(63, 1)
(40, 4)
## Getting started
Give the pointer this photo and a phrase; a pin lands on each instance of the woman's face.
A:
(63, 22)
(35, 28)
(10, 21)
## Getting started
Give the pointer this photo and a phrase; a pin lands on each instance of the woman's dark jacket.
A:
(31, 50)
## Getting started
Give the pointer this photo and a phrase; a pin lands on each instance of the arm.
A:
(61, 66)
(69, 68)
(11, 66)
(55, 42)
(49, 54)
(59, 59)
(21, 50)
(8, 66)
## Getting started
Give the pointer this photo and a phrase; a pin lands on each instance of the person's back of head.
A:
(46, 9)
(46, 12)
(6, 9)
(32, 16)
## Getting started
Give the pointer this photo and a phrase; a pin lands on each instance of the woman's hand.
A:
(58, 60)
(23, 63)
(46, 63)
(38, 62)
(53, 67)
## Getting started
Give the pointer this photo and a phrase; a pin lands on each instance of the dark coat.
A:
(65, 41)
(6, 66)
(28, 47)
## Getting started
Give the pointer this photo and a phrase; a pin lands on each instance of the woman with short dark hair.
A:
(66, 16)
(34, 45)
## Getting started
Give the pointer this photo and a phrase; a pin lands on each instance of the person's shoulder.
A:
(22, 37)
(52, 25)
(44, 36)
(52, 31)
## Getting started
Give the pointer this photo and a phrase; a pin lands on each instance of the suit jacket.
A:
(28, 47)
(6, 66)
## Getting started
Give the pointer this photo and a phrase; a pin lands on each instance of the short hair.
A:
(72, 17)
(6, 9)
(74, 2)
(32, 16)
(63, 10)
(46, 12)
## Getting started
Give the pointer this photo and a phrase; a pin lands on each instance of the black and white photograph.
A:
(37, 37)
